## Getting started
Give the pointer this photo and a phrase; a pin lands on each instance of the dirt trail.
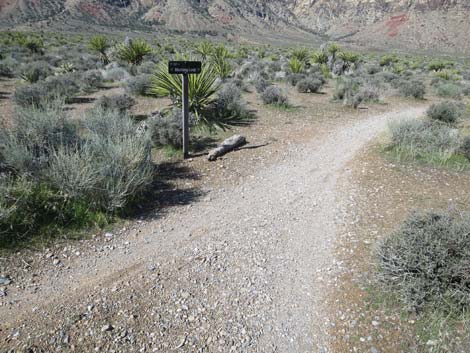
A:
(244, 270)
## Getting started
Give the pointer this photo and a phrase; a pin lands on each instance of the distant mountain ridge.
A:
(427, 24)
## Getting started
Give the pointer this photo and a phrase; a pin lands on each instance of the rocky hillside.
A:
(419, 24)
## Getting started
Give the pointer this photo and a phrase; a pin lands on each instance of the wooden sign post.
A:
(185, 68)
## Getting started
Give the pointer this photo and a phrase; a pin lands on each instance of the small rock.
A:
(108, 235)
(374, 350)
(375, 323)
(185, 295)
(107, 328)
(56, 261)
(5, 280)
(181, 341)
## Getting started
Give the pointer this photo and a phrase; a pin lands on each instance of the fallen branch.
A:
(228, 145)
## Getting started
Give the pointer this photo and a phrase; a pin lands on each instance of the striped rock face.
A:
(435, 25)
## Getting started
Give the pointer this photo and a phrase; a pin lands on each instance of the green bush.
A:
(261, 84)
(274, 96)
(293, 79)
(6, 69)
(33, 72)
(425, 139)
(426, 261)
(309, 85)
(465, 147)
(226, 110)
(166, 130)
(449, 90)
(119, 102)
(138, 85)
(413, 88)
(446, 112)
(91, 81)
(345, 90)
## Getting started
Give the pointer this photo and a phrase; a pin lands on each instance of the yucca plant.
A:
(65, 68)
(205, 49)
(202, 87)
(133, 52)
(301, 54)
(219, 59)
(333, 49)
(99, 44)
(33, 44)
(348, 58)
(319, 57)
(295, 65)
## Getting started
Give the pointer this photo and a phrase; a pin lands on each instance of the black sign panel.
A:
(184, 67)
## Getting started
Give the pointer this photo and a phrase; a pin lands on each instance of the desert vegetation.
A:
(76, 151)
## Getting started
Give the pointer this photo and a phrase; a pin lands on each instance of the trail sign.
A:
(185, 68)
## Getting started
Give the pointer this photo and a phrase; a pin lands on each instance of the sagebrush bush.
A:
(226, 110)
(6, 69)
(115, 73)
(309, 85)
(138, 85)
(446, 112)
(91, 80)
(294, 78)
(465, 147)
(33, 72)
(426, 261)
(449, 90)
(261, 84)
(425, 137)
(120, 102)
(166, 130)
(413, 88)
(275, 96)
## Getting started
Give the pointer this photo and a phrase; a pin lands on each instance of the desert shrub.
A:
(275, 96)
(166, 130)
(261, 84)
(448, 90)
(309, 85)
(413, 88)
(226, 110)
(30, 95)
(6, 69)
(62, 85)
(365, 94)
(115, 73)
(465, 147)
(119, 102)
(446, 112)
(426, 261)
(345, 89)
(425, 139)
(147, 67)
(122, 156)
(138, 85)
(41, 93)
(91, 80)
(33, 72)
(293, 78)
(373, 69)
(37, 132)
(388, 60)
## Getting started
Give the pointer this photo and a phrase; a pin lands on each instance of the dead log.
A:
(228, 145)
